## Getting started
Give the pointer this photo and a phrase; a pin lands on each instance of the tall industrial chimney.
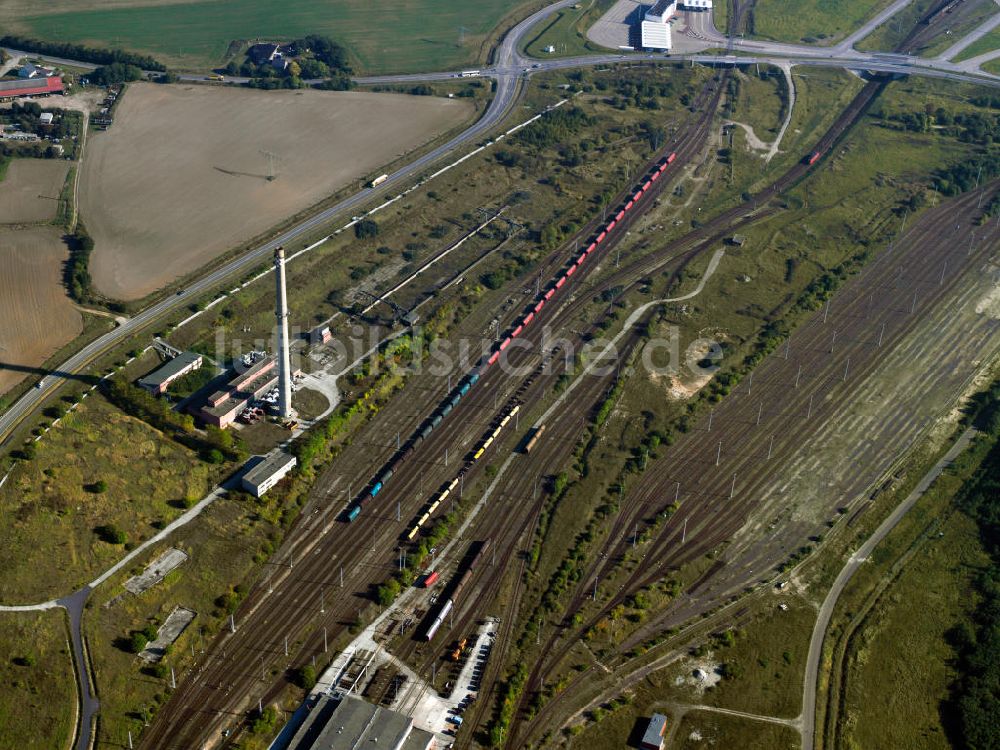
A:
(281, 313)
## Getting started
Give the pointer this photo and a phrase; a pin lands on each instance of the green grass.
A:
(948, 31)
(403, 37)
(720, 14)
(700, 729)
(900, 660)
(987, 43)
(891, 651)
(761, 102)
(812, 21)
(886, 37)
(4, 163)
(38, 695)
(225, 545)
(993, 66)
(567, 30)
(48, 546)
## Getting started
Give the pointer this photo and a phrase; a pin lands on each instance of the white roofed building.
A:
(694, 4)
(654, 29)
(662, 11)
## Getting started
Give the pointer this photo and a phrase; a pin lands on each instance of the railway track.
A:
(708, 509)
(223, 687)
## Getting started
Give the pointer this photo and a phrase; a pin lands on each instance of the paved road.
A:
(507, 90)
(970, 39)
(507, 71)
(854, 562)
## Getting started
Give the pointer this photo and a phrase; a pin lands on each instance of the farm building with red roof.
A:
(30, 87)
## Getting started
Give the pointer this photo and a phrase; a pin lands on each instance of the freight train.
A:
(456, 591)
(471, 378)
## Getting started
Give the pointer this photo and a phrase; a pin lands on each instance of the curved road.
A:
(507, 70)
(855, 561)
(507, 89)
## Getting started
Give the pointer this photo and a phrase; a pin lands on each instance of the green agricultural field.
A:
(399, 37)
(97, 468)
(812, 21)
(38, 699)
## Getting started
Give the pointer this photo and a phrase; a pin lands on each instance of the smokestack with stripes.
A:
(281, 313)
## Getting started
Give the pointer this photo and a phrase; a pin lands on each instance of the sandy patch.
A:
(29, 193)
(182, 175)
(37, 316)
(989, 304)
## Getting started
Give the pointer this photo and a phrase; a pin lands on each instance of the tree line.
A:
(975, 694)
(81, 52)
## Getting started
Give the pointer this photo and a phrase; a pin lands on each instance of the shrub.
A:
(111, 534)
(366, 229)
(137, 641)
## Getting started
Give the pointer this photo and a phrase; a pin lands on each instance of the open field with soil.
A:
(29, 193)
(416, 36)
(58, 534)
(183, 175)
(38, 316)
(38, 699)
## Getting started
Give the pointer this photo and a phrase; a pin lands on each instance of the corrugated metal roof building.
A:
(159, 379)
(349, 723)
(30, 87)
(653, 738)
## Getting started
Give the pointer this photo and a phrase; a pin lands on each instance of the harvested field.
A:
(183, 175)
(30, 191)
(38, 316)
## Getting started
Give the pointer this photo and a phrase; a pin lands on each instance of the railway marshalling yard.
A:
(639, 542)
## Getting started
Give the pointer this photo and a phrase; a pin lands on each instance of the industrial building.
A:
(160, 379)
(652, 739)
(266, 471)
(30, 87)
(222, 407)
(345, 723)
(694, 4)
(654, 29)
